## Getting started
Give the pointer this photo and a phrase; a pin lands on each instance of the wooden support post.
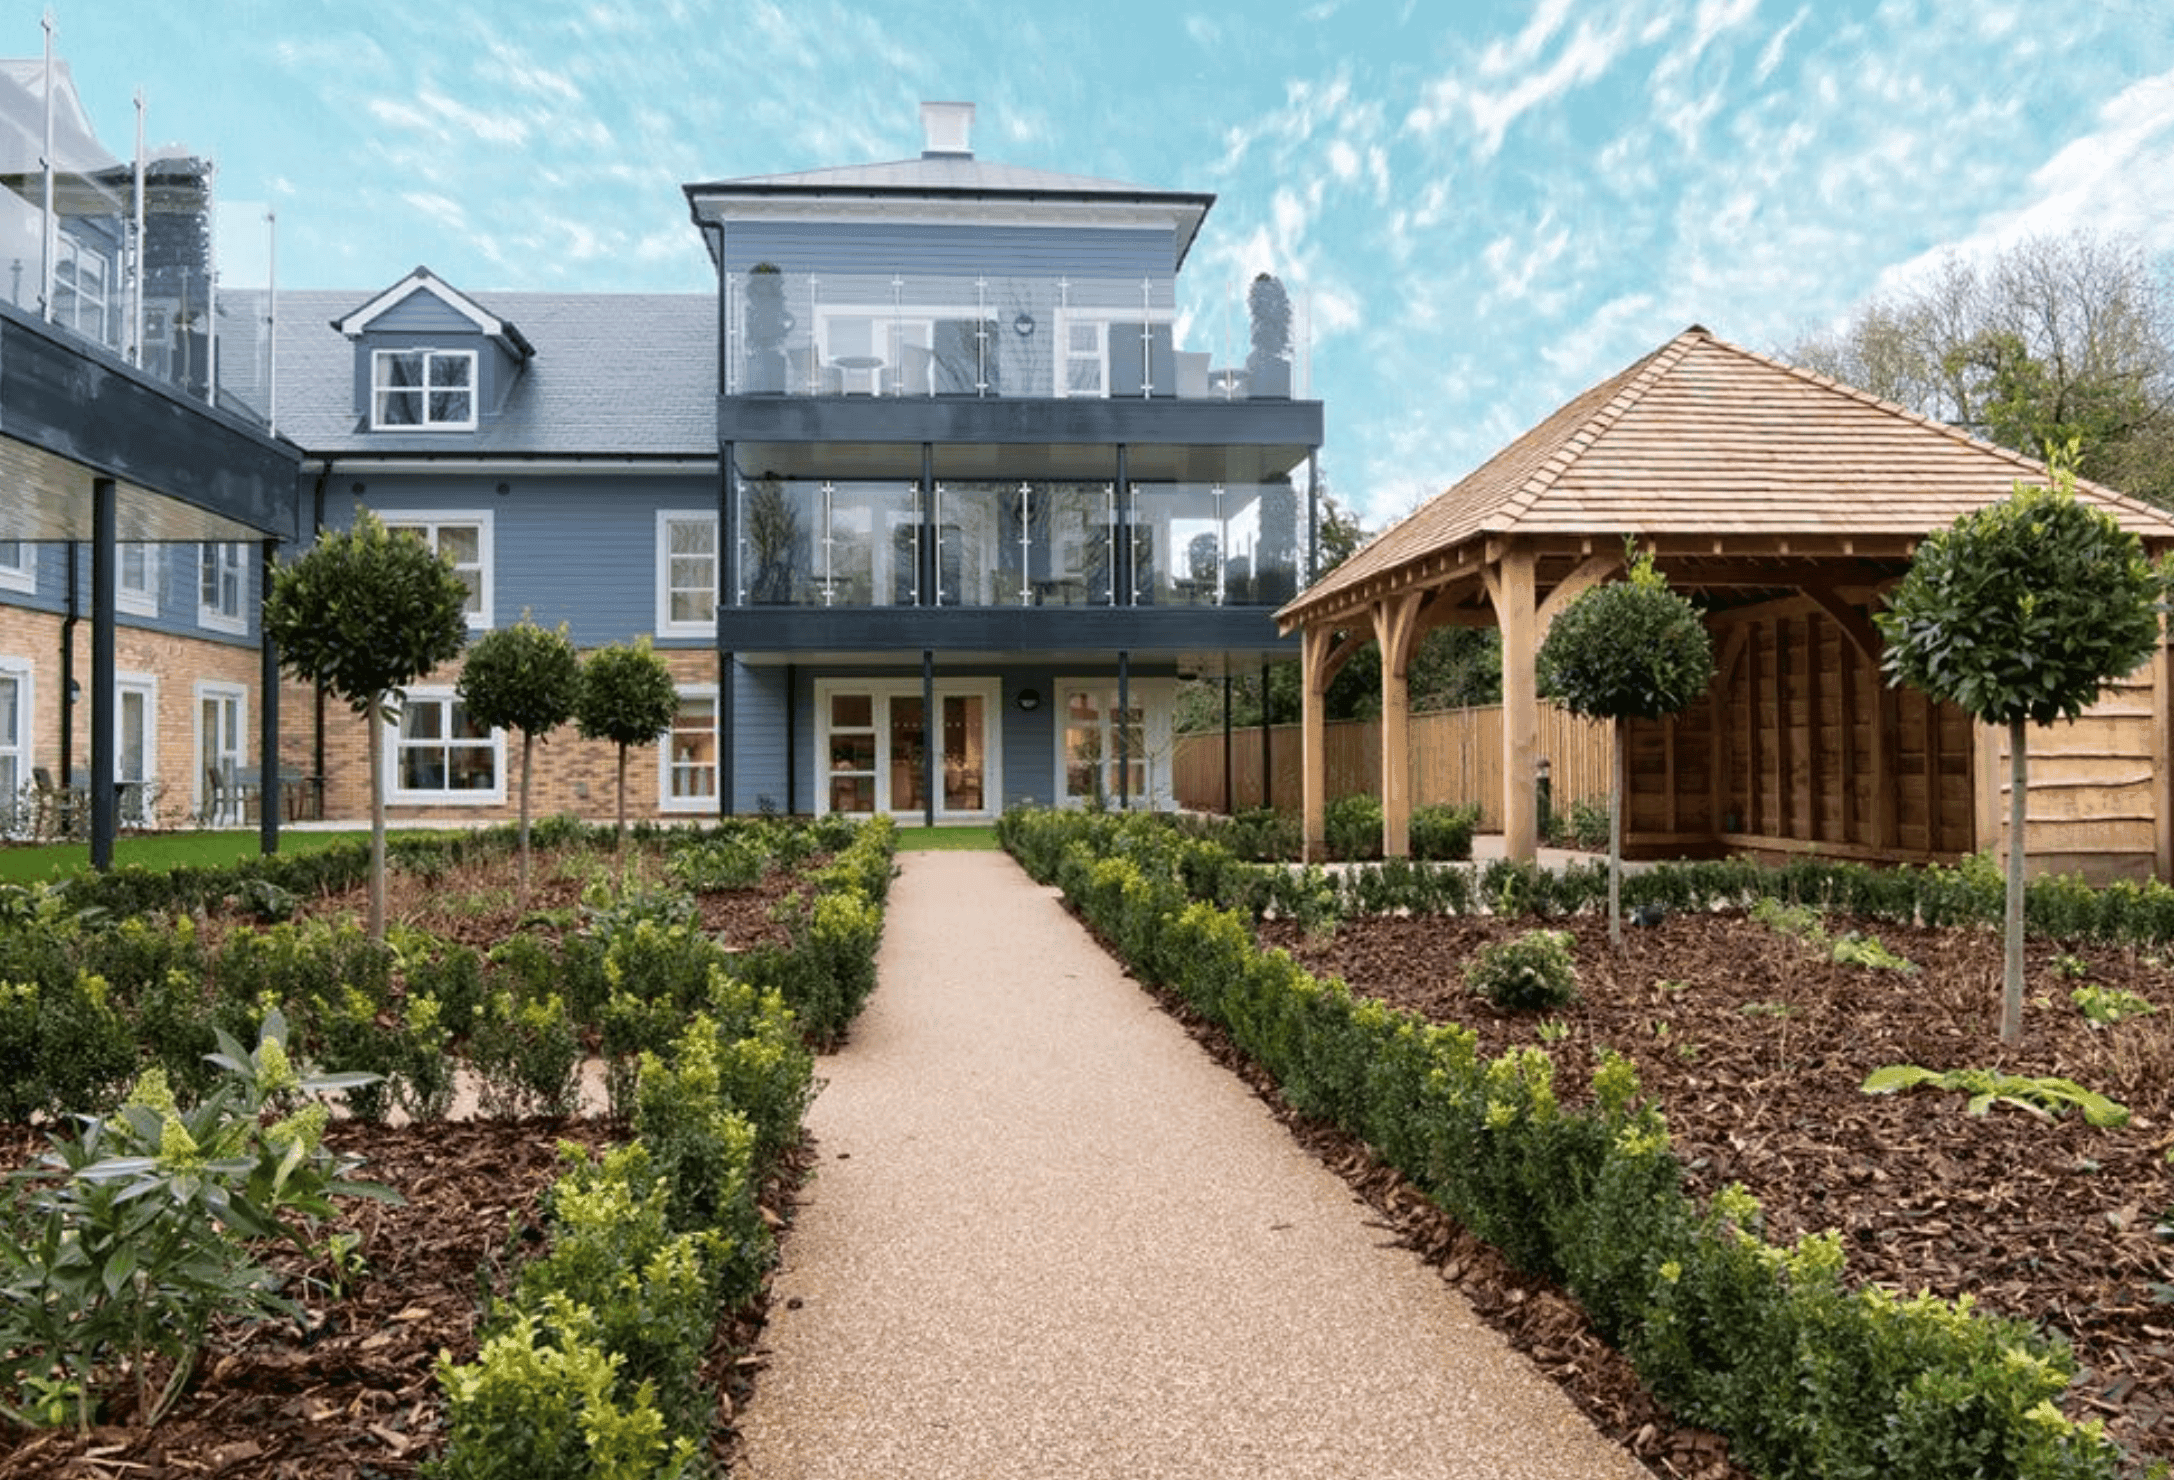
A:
(1512, 590)
(2162, 762)
(1396, 623)
(1886, 809)
(1314, 645)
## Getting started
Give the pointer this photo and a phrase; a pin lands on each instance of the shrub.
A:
(527, 1056)
(704, 1150)
(1351, 828)
(647, 1288)
(62, 1048)
(538, 1403)
(1443, 833)
(1535, 970)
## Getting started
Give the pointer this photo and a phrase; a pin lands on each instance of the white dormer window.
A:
(424, 389)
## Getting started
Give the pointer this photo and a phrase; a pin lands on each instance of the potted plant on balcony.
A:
(767, 325)
(1268, 364)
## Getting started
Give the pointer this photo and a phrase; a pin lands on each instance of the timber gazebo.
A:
(1786, 504)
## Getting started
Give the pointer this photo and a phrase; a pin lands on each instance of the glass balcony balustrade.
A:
(1050, 543)
(988, 335)
(148, 286)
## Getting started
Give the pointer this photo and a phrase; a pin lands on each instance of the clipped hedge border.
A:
(1804, 1375)
(667, 1219)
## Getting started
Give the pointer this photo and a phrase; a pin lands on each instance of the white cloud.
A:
(1777, 46)
(1585, 58)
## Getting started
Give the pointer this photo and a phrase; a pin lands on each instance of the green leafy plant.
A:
(524, 678)
(363, 613)
(1443, 833)
(2019, 614)
(1631, 649)
(1854, 948)
(1534, 970)
(2074, 968)
(527, 1055)
(627, 697)
(2048, 1096)
(132, 1232)
(2104, 1006)
(1351, 827)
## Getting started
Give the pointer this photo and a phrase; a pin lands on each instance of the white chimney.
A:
(947, 128)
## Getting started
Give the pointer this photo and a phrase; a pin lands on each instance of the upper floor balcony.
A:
(990, 335)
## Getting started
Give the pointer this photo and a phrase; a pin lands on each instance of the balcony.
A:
(918, 335)
(136, 275)
(1029, 544)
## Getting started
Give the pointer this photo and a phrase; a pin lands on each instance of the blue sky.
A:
(1486, 207)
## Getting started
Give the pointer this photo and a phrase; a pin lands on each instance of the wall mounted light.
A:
(1024, 324)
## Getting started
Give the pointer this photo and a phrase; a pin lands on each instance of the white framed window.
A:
(430, 390)
(222, 582)
(15, 732)
(687, 573)
(137, 590)
(464, 538)
(687, 761)
(136, 761)
(438, 755)
(1086, 358)
(222, 747)
(18, 565)
(870, 350)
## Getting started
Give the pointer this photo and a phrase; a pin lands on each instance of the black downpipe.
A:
(105, 805)
(930, 738)
(1267, 751)
(792, 740)
(271, 796)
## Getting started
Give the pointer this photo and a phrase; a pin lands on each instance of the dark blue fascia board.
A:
(86, 405)
(984, 629)
(1240, 441)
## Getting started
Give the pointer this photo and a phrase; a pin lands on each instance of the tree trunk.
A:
(375, 719)
(528, 743)
(2011, 993)
(1615, 837)
(619, 839)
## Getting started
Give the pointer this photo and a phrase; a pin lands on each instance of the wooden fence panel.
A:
(1455, 756)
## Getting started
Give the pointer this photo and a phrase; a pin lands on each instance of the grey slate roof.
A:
(614, 375)
(941, 172)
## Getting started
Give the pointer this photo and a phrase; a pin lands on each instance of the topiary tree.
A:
(522, 678)
(627, 697)
(362, 614)
(2018, 613)
(1632, 649)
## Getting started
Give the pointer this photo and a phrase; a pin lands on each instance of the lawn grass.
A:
(926, 839)
(38, 862)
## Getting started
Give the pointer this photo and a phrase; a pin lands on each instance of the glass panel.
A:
(694, 750)
(852, 711)
(475, 767)
(1179, 534)
(909, 771)
(1082, 749)
(851, 752)
(422, 719)
(963, 753)
(463, 727)
(10, 711)
(970, 519)
(132, 735)
(853, 794)
(462, 543)
(868, 559)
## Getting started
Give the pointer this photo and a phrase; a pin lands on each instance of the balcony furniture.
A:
(1136, 373)
(1227, 384)
(1193, 375)
(913, 374)
(847, 367)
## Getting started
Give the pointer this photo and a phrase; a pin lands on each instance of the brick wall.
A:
(571, 775)
(175, 664)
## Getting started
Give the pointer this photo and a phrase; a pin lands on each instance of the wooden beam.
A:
(1589, 573)
(1512, 592)
(1852, 670)
(1754, 818)
(2162, 759)
(1396, 628)
(1815, 740)
(1314, 652)
(1785, 733)
(1855, 625)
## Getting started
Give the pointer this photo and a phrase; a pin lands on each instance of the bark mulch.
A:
(351, 1393)
(1755, 1045)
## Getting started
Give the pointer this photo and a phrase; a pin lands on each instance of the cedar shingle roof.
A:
(1702, 437)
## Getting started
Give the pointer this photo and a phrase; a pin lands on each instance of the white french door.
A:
(872, 747)
(1107, 755)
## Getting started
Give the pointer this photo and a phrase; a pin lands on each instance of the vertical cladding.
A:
(577, 549)
(758, 738)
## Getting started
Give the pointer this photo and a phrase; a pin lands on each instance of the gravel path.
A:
(1049, 1237)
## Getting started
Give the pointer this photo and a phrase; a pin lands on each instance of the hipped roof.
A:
(1702, 437)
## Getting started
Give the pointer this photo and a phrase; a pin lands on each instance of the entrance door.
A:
(873, 748)
(1094, 734)
(219, 749)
